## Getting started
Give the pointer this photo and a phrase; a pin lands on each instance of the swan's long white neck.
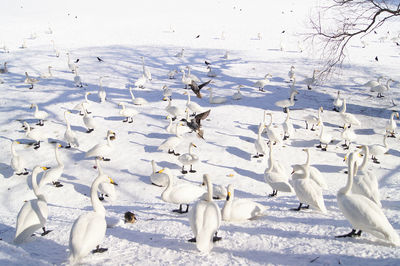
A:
(350, 175)
(170, 180)
(292, 94)
(308, 157)
(169, 102)
(35, 185)
(385, 142)
(132, 96)
(28, 129)
(344, 107)
(123, 106)
(36, 107)
(153, 166)
(365, 159)
(13, 152)
(270, 122)
(99, 167)
(211, 93)
(322, 130)
(209, 188)
(96, 203)
(190, 148)
(260, 130)
(188, 100)
(66, 121)
(287, 116)
(60, 163)
(270, 160)
(50, 71)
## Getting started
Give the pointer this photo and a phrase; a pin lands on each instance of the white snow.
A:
(122, 31)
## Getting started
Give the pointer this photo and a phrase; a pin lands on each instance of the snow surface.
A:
(120, 32)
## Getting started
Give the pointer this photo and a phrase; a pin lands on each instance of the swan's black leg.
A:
(216, 237)
(90, 130)
(57, 184)
(176, 154)
(319, 146)
(37, 145)
(298, 208)
(191, 170)
(183, 170)
(256, 156)
(99, 249)
(187, 208)
(125, 120)
(192, 239)
(170, 152)
(45, 232)
(261, 155)
(351, 234)
(179, 210)
(274, 193)
(306, 125)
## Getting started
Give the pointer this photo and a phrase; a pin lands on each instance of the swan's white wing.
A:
(308, 192)
(317, 176)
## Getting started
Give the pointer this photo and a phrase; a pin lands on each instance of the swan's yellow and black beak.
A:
(228, 196)
(112, 182)
(45, 168)
(164, 99)
(194, 145)
(160, 171)
(397, 115)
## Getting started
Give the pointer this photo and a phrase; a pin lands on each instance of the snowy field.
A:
(260, 38)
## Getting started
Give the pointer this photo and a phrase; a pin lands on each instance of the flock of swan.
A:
(358, 200)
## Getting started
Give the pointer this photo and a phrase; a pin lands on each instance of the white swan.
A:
(219, 191)
(17, 162)
(71, 66)
(146, 71)
(185, 79)
(172, 127)
(348, 136)
(171, 74)
(238, 95)
(287, 126)
(348, 118)
(137, 100)
(89, 229)
(382, 88)
(314, 120)
(211, 73)
(311, 81)
(33, 214)
(226, 55)
(307, 191)
(260, 84)
(216, 99)
(205, 219)
(275, 176)
(259, 143)
(362, 213)
(29, 80)
(141, 82)
(69, 135)
(84, 104)
(192, 76)
(338, 102)
(167, 93)
(291, 74)
(324, 138)
(194, 107)
(106, 188)
(35, 135)
(181, 193)
(127, 113)
(45, 76)
(170, 143)
(391, 125)
(102, 150)
(378, 150)
(239, 210)
(39, 114)
(285, 104)
(273, 133)
(53, 174)
(4, 69)
(188, 159)
(365, 182)
(373, 83)
(315, 174)
(101, 92)
(156, 178)
(174, 110)
(180, 54)
(89, 122)
(77, 78)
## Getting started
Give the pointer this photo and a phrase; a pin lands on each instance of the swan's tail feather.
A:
(204, 241)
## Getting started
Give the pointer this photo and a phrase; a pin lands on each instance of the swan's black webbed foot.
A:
(191, 170)
(319, 146)
(273, 194)
(176, 154)
(351, 234)
(192, 240)
(180, 209)
(171, 152)
(99, 250)
(45, 232)
(216, 237)
(300, 207)
(57, 184)
(90, 130)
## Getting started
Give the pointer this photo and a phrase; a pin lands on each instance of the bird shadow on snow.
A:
(6, 171)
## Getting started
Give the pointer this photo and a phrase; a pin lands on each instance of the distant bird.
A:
(260, 84)
(195, 123)
(180, 54)
(376, 58)
(30, 80)
(198, 36)
(171, 74)
(196, 88)
(311, 81)
(207, 63)
(129, 217)
(77, 60)
(100, 60)
(4, 69)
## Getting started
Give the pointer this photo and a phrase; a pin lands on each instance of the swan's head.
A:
(193, 145)
(167, 171)
(292, 67)
(32, 106)
(268, 75)
(231, 192)
(397, 115)
(112, 181)
(165, 87)
(111, 135)
(297, 168)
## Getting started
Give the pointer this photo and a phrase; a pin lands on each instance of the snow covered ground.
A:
(120, 33)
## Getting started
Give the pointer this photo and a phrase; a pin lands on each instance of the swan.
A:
(205, 219)
(141, 82)
(315, 174)
(137, 100)
(365, 182)
(89, 122)
(171, 74)
(71, 66)
(216, 99)
(4, 69)
(348, 118)
(192, 76)
(188, 159)
(146, 71)
(314, 120)
(106, 188)
(285, 104)
(77, 78)
(239, 210)
(392, 125)
(338, 102)
(33, 214)
(167, 93)
(378, 150)
(69, 135)
(185, 79)
(45, 76)
(275, 176)
(273, 133)
(39, 114)
(171, 128)
(54, 173)
(259, 143)
(181, 193)
(89, 229)
(156, 178)
(102, 93)
(174, 110)
(56, 51)
(35, 135)
(83, 104)
(170, 143)
(311, 81)
(307, 191)
(373, 83)
(17, 162)
(219, 191)
(260, 84)
(381, 88)
(23, 45)
(101, 150)
(211, 73)
(238, 95)
(348, 136)
(287, 126)
(30, 80)
(226, 55)
(362, 213)
(127, 113)
(324, 138)
(192, 106)
(180, 54)
(291, 74)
